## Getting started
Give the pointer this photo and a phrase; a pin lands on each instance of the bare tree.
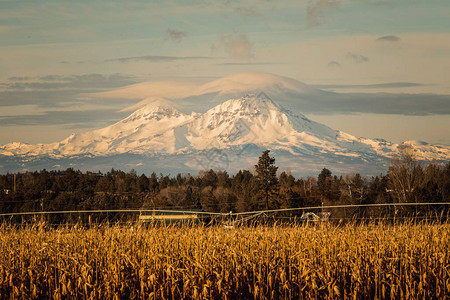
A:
(405, 176)
(353, 187)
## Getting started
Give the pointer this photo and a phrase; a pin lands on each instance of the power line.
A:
(107, 211)
(339, 206)
(258, 212)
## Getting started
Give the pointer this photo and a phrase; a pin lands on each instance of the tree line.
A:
(407, 181)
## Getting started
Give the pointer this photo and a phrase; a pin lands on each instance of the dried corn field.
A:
(351, 261)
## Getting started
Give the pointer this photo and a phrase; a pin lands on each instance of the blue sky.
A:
(53, 52)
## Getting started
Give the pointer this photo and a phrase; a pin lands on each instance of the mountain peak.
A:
(251, 105)
(250, 119)
(154, 108)
(151, 103)
(247, 122)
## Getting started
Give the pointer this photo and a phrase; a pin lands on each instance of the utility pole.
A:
(321, 211)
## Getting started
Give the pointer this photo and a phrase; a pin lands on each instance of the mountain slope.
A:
(230, 135)
(151, 128)
(159, 127)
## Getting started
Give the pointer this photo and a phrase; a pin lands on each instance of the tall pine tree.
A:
(266, 176)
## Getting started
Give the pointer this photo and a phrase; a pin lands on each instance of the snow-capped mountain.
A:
(151, 128)
(159, 127)
(231, 135)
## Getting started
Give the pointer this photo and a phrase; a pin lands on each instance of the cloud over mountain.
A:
(156, 58)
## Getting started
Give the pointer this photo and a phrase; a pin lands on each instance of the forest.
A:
(264, 187)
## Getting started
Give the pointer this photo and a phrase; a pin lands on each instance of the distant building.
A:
(315, 217)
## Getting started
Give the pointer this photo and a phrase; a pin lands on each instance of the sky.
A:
(389, 61)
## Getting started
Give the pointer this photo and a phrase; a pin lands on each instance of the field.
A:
(404, 261)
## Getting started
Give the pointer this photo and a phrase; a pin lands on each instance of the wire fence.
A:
(333, 213)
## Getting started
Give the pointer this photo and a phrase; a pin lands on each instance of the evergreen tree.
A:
(325, 185)
(143, 183)
(266, 176)
(242, 189)
(324, 181)
(153, 184)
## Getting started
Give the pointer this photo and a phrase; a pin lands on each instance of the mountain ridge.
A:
(236, 130)
(252, 119)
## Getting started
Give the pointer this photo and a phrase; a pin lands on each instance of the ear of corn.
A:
(351, 261)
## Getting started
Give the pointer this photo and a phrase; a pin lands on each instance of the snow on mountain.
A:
(16, 148)
(251, 122)
(158, 127)
(258, 120)
(239, 121)
(425, 151)
(151, 128)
